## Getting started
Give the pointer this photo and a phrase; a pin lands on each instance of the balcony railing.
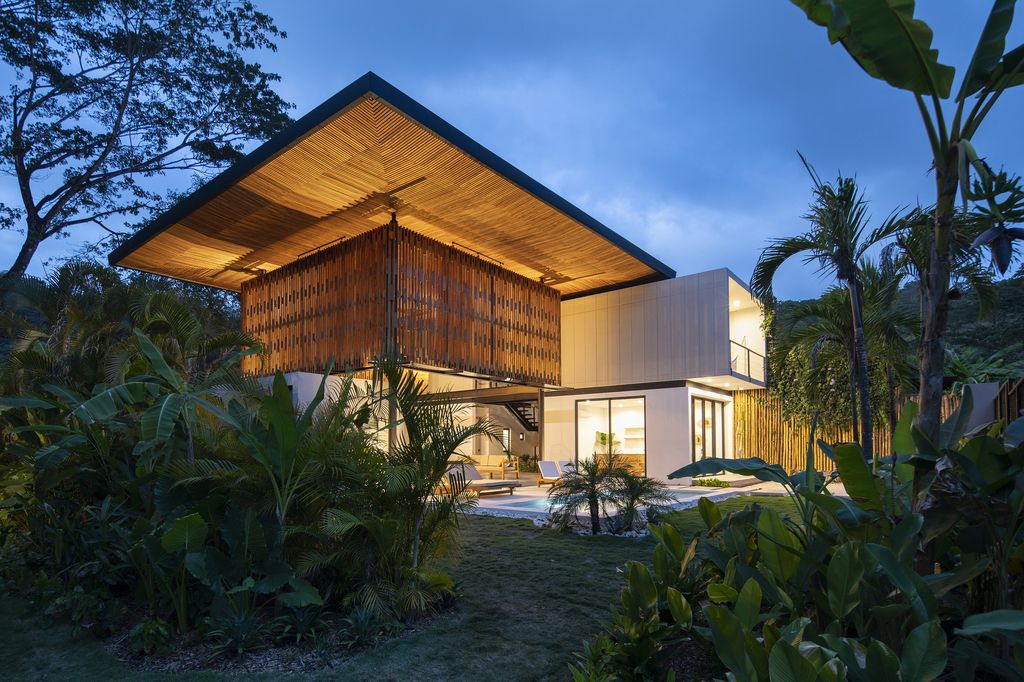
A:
(746, 363)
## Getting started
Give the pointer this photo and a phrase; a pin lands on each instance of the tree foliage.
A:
(889, 43)
(856, 587)
(74, 326)
(185, 490)
(108, 94)
(811, 351)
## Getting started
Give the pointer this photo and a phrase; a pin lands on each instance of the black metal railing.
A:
(746, 362)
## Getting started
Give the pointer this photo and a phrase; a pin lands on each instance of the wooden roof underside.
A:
(338, 179)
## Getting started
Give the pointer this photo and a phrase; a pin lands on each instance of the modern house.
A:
(371, 224)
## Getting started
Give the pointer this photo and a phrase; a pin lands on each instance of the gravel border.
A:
(541, 518)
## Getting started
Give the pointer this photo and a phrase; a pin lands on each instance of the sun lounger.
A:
(481, 485)
(565, 466)
(549, 473)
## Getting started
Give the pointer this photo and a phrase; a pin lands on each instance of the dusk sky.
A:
(674, 123)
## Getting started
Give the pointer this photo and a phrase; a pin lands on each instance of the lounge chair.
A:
(481, 485)
(565, 466)
(548, 472)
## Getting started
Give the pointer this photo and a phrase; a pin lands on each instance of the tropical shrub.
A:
(151, 636)
(969, 366)
(177, 488)
(891, 582)
(301, 625)
(600, 485)
(236, 626)
(704, 482)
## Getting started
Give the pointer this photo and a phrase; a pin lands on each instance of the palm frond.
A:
(773, 257)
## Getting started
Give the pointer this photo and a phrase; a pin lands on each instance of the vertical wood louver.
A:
(434, 304)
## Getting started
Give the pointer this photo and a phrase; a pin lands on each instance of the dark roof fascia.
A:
(617, 388)
(614, 287)
(371, 83)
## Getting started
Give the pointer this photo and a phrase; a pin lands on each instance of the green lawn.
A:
(529, 598)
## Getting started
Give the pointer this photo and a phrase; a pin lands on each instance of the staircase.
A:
(525, 413)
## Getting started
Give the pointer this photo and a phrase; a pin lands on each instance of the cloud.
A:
(689, 235)
(692, 211)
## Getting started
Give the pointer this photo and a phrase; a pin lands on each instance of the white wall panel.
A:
(674, 329)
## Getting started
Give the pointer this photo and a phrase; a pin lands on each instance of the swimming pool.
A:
(687, 495)
(536, 504)
(541, 503)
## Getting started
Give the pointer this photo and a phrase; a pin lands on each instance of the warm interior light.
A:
(736, 303)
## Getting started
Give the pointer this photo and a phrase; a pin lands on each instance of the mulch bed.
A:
(192, 654)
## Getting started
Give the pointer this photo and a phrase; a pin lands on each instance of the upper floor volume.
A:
(372, 225)
(474, 257)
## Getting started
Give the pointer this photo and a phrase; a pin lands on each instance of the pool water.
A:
(687, 495)
(541, 503)
(538, 503)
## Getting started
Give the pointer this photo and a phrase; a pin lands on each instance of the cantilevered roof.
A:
(340, 170)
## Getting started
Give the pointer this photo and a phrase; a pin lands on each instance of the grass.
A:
(689, 523)
(529, 599)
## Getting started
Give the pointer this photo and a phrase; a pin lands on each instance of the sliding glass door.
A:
(615, 426)
(708, 417)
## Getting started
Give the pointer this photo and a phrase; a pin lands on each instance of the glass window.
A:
(592, 428)
(708, 428)
(628, 432)
(614, 426)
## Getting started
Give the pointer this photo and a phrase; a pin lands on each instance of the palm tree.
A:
(591, 485)
(909, 253)
(817, 329)
(189, 346)
(836, 241)
(59, 327)
(630, 492)
(892, 330)
(822, 329)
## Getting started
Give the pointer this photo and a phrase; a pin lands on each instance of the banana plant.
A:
(175, 401)
(275, 439)
(184, 536)
(889, 43)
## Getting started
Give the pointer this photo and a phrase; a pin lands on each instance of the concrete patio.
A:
(530, 501)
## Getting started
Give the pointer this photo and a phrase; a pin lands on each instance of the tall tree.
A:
(907, 256)
(818, 334)
(110, 93)
(836, 242)
(888, 43)
(75, 326)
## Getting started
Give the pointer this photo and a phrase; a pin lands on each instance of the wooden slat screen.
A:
(1010, 400)
(327, 306)
(459, 311)
(761, 430)
(436, 305)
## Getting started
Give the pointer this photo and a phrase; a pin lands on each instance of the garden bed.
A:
(528, 598)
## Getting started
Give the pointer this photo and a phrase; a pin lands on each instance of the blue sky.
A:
(674, 123)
